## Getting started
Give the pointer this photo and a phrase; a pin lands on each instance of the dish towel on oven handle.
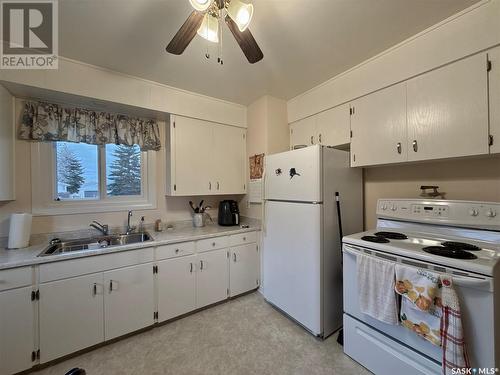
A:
(425, 324)
(420, 287)
(376, 289)
(452, 333)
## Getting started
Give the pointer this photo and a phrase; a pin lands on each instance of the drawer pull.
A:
(244, 238)
(201, 265)
(213, 244)
(177, 251)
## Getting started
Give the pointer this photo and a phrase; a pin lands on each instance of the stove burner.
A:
(449, 252)
(460, 246)
(392, 235)
(376, 239)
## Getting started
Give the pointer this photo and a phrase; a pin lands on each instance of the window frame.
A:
(44, 186)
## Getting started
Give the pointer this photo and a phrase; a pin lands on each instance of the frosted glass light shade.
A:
(209, 28)
(240, 13)
(201, 5)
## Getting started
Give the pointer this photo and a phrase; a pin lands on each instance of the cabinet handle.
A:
(191, 268)
(177, 251)
(209, 186)
(312, 139)
(244, 238)
(217, 185)
(94, 290)
(398, 147)
(201, 265)
(415, 145)
(111, 285)
(319, 138)
(234, 257)
(213, 244)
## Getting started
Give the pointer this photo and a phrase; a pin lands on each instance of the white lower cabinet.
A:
(17, 330)
(71, 315)
(129, 301)
(212, 277)
(244, 269)
(176, 287)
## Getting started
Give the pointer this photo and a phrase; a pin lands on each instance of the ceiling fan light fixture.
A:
(240, 13)
(209, 28)
(201, 5)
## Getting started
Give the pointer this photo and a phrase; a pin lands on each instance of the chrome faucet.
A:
(103, 228)
(130, 229)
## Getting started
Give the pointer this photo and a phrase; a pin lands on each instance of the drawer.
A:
(382, 355)
(175, 250)
(212, 243)
(242, 238)
(91, 264)
(16, 278)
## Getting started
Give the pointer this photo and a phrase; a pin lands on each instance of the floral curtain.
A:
(51, 122)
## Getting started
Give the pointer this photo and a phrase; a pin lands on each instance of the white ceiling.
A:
(305, 42)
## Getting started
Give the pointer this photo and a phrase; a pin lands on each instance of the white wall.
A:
(475, 29)
(267, 133)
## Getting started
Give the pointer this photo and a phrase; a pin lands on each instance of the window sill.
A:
(71, 208)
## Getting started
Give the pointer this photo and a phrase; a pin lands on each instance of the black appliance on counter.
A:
(229, 213)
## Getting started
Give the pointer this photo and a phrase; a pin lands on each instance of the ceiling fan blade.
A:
(246, 41)
(185, 34)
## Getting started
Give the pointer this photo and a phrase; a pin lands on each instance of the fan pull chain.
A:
(219, 59)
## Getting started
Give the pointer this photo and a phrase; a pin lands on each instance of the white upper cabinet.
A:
(6, 145)
(190, 150)
(333, 126)
(302, 132)
(229, 161)
(378, 125)
(205, 158)
(448, 111)
(494, 96)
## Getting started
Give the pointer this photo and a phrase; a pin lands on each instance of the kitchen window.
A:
(82, 178)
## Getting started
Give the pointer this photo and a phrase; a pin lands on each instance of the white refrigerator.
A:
(302, 271)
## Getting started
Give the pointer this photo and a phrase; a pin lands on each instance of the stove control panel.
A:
(461, 213)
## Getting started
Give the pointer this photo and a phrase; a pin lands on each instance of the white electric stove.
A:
(459, 238)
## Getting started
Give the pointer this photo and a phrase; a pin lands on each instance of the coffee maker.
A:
(229, 213)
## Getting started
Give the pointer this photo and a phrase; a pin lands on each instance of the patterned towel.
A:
(452, 334)
(420, 322)
(419, 286)
(376, 289)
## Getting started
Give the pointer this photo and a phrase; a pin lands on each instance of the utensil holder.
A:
(198, 220)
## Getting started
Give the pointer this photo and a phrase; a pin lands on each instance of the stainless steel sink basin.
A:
(93, 243)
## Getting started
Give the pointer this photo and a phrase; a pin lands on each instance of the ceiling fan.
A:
(204, 20)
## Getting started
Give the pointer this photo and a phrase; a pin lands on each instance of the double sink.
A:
(93, 243)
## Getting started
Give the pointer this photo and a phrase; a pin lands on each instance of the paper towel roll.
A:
(19, 231)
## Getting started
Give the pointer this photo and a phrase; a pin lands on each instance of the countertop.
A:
(182, 232)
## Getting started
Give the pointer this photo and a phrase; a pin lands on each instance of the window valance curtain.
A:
(45, 122)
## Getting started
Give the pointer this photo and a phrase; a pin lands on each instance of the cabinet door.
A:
(243, 269)
(17, 330)
(176, 287)
(448, 111)
(333, 126)
(378, 127)
(212, 277)
(71, 315)
(128, 300)
(302, 132)
(192, 147)
(7, 189)
(229, 160)
(494, 95)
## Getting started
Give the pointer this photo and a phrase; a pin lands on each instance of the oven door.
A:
(475, 293)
